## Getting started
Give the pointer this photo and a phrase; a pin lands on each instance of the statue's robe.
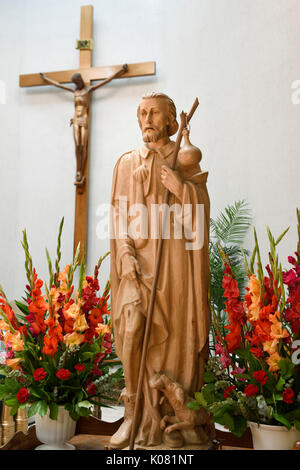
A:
(181, 320)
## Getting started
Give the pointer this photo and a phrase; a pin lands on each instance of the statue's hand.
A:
(130, 268)
(172, 181)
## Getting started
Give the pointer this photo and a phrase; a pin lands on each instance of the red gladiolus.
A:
(63, 374)
(79, 367)
(251, 390)
(288, 395)
(260, 376)
(257, 352)
(23, 395)
(39, 374)
(92, 389)
(228, 391)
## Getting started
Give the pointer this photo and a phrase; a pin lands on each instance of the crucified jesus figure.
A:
(80, 121)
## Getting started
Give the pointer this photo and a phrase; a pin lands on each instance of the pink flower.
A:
(219, 348)
(239, 370)
(289, 277)
(292, 260)
(225, 360)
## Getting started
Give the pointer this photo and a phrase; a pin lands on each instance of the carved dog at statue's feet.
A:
(194, 426)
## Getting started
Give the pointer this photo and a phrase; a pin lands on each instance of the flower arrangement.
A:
(254, 374)
(55, 346)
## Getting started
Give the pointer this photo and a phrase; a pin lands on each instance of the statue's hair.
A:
(173, 126)
(77, 76)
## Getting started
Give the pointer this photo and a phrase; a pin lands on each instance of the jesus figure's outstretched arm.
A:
(122, 70)
(54, 83)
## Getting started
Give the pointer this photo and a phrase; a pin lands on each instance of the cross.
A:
(89, 74)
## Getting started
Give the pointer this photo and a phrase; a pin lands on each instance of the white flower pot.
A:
(266, 437)
(55, 433)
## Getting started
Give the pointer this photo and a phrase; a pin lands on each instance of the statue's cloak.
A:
(181, 320)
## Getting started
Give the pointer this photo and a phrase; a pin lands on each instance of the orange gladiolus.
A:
(273, 362)
(13, 341)
(95, 316)
(102, 329)
(69, 325)
(80, 323)
(254, 293)
(73, 339)
(14, 363)
(50, 345)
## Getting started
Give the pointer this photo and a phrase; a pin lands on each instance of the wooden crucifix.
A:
(82, 78)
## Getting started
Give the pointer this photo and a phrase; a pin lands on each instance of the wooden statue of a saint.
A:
(178, 344)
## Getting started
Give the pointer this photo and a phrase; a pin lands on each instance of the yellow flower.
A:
(14, 363)
(278, 332)
(270, 346)
(4, 326)
(102, 329)
(73, 339)
(62, 277)
(273, 362)
(80, 323)
(14, 341)
(72, 312)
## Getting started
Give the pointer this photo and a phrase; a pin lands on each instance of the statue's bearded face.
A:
(153, 119)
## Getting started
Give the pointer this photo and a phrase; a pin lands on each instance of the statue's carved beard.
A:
(155, 135)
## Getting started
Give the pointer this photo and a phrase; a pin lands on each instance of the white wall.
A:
(239, 57)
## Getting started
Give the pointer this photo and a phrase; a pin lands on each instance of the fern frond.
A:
(231, 226)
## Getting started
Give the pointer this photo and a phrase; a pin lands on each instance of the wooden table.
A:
(94, 434)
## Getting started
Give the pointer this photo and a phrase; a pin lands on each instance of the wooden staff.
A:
(184, 120)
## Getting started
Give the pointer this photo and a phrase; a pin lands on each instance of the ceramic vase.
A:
(267, 437)
(55, 433)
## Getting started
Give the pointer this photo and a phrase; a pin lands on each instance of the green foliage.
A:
(228, 230)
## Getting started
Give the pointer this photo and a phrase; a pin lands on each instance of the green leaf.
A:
(82, 411)
(3, 392)
(12, 402)
(23, 307)
(209, 377)
(87, 355)
(53, 410)
(200, 399)
(42, 408)
(208, 396)
(14, 410)
(297, 424)
(39, 393)
(293, 415)
(33, 409)
(228, 421)
(84, 404)
(240, 425)
(281, 419)
(280, 384)
(219, 414)
(283, 365)
(12, 386)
